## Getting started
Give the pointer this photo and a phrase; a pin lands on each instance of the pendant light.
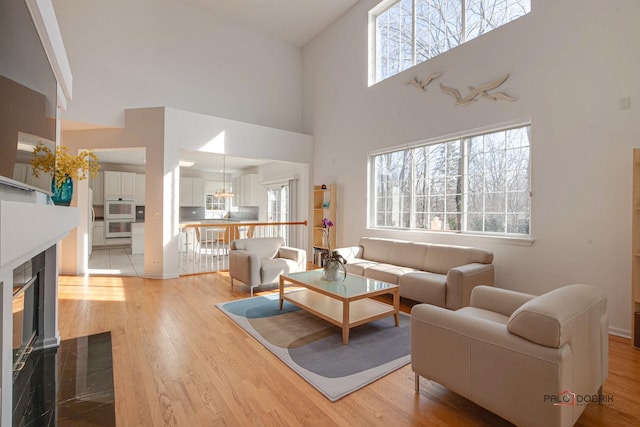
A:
(223, 192)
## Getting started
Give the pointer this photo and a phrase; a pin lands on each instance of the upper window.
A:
(475, 184)
(408, 32)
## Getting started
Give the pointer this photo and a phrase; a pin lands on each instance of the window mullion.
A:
(465, 183)
(463, 36)
(412, 198)
(413, 33)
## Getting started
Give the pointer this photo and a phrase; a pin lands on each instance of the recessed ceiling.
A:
(294, 21)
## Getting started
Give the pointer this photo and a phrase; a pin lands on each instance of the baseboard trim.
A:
(624, 333)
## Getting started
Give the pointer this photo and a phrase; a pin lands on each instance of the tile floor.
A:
(77, 392)
(120, 262)
(116, 262)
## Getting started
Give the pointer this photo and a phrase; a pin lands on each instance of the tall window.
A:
(475, 184)
(408, 32)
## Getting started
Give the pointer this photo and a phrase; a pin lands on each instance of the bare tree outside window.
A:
(440, 25)
(476, 184)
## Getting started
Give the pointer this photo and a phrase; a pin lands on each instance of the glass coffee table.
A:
(346, 304)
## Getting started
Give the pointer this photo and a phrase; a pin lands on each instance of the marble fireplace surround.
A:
(27, 229)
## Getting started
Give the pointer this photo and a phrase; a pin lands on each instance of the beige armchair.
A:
(535, 361)
(261, 261)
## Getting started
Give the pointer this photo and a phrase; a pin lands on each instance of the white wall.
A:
(569, 64)
(151, 53)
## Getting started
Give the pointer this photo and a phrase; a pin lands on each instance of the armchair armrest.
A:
(498, 300)
(461, 281)
(350, 252)
(298, 255)
(244, 266)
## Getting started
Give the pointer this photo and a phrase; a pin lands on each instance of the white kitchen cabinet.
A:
(97, 233)
(97, 185)
(191, 192)
(140, 189)
(128, 185)
(246, 190)
(119, 185)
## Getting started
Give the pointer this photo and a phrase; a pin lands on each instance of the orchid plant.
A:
(333, 257)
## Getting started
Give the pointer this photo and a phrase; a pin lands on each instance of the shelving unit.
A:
(635, 243)
(324, 206)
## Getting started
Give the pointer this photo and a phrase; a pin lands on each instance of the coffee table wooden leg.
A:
(345, 323)
(281, 291)
(396, 306)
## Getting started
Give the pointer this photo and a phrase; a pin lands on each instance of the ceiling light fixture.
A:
(223, 192)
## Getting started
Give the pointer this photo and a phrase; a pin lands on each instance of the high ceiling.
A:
(294, 21)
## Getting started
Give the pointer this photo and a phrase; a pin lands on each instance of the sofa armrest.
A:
(461, 281)
(244, 266)
(350, 252)
(298, 255)
(498, 300)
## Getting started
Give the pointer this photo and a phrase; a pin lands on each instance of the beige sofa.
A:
(535, 361)
(442, 275)
(261, 261)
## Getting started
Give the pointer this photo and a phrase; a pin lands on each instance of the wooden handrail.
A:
(238, 224)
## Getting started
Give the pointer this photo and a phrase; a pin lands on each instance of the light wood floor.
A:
(179, 361)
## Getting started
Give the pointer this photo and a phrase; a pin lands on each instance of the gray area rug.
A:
(313, 347)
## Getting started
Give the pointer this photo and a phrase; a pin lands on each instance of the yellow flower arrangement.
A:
(62, 165)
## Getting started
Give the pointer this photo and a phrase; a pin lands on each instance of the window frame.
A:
(462, 137)
(385, 5)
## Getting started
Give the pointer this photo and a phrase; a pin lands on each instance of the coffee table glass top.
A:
(351, 286)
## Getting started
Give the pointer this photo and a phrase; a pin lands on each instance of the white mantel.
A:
(26, 229)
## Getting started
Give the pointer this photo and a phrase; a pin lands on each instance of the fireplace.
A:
(28, 279)
(31, 365)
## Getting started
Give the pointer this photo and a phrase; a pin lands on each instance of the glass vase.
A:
(62, 195)
(330, 270)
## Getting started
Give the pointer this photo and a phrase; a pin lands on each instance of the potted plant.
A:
(334, 260)
(63, 168)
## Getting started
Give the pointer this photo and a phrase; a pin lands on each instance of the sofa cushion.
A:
(264, 248)
(441, 258)
(409, 254)
(548, 319)
(424, 286)
(358, 266)
(271, 269)
(387, 272)
(376, 249)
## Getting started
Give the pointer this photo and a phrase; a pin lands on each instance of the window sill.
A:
(453, 237)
